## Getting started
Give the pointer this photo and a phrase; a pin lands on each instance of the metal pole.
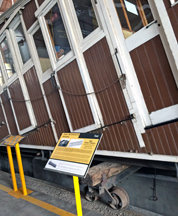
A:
(11, 164)
(19, 161)
(77, 196)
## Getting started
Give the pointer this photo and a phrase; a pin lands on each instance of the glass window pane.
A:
(7, 58)
(133, 15)
(42, 51)
(86, 16)
(1, 78)
(57, 32)
(21, 41)
(147, 11)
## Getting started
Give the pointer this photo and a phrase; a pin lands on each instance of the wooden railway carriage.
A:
(108, 66)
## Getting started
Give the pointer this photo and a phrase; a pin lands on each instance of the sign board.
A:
(11, 140)
(74, 153)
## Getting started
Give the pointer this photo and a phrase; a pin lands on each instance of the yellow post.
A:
(77, 195)
(19, 161)
(11, 164)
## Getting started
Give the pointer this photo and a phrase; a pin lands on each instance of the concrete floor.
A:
(23, 206)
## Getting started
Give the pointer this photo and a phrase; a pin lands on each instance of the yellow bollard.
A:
(19, 161)
(77, 196)
(11, 164)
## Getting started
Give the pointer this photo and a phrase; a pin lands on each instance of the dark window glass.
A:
(86, 16)
(42, 51)
(57, 32)
(1, 78)
(21, 41)
(147, 11)
(133, 15)
(121, 15)
(7, 58)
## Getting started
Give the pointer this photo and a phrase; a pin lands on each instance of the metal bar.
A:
(19, 161)
(11, 164)
(77, 196)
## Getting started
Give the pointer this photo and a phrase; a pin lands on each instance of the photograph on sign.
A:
(64, 142)
(75, 143)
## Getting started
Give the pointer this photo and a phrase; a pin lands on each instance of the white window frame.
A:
(15, 23)
(137, 39)
(17, 75)
(173, 3)
(94, 36)
(73, 54)
(40, 13)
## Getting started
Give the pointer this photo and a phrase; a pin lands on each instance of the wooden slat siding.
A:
(3, 129)
(154, 75)
(162, 140)
(19, 107)
(40, 2)
(9, 114)
(45, 135)
(78, 106)
(56, 108)
(173, 16)
(29, 14)
(167, 4)
(111, 101)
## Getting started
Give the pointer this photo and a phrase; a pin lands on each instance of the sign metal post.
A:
(11, 164)
(11, 141)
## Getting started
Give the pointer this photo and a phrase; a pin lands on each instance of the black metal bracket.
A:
(6, 93)
(116, 51)
(53, 81)
(151, 24)
(2, 123)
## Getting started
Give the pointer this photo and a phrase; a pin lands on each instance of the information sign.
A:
(11, 140)
(74, 153)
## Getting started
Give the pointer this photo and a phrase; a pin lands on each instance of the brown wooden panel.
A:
(3, 129)
(43, 136)
(154, 75)
(19, 105)
(40, 2)
(29, 14)
(162, 140)
(78, 106)
(111, 100)
(9, 113)
(56, 108)
(173, 15)
(167, 3)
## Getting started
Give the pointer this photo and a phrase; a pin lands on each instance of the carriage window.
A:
(7, 58)
(86, 16)
(1, 78)
(22, 44)
(42, 51)
(133, 15)
(173, 1)
(57, 32)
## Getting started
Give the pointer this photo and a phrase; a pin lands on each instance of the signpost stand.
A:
(77, 196)
(73, 155)
(19, 161)
(11, 164)
(11, 141)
